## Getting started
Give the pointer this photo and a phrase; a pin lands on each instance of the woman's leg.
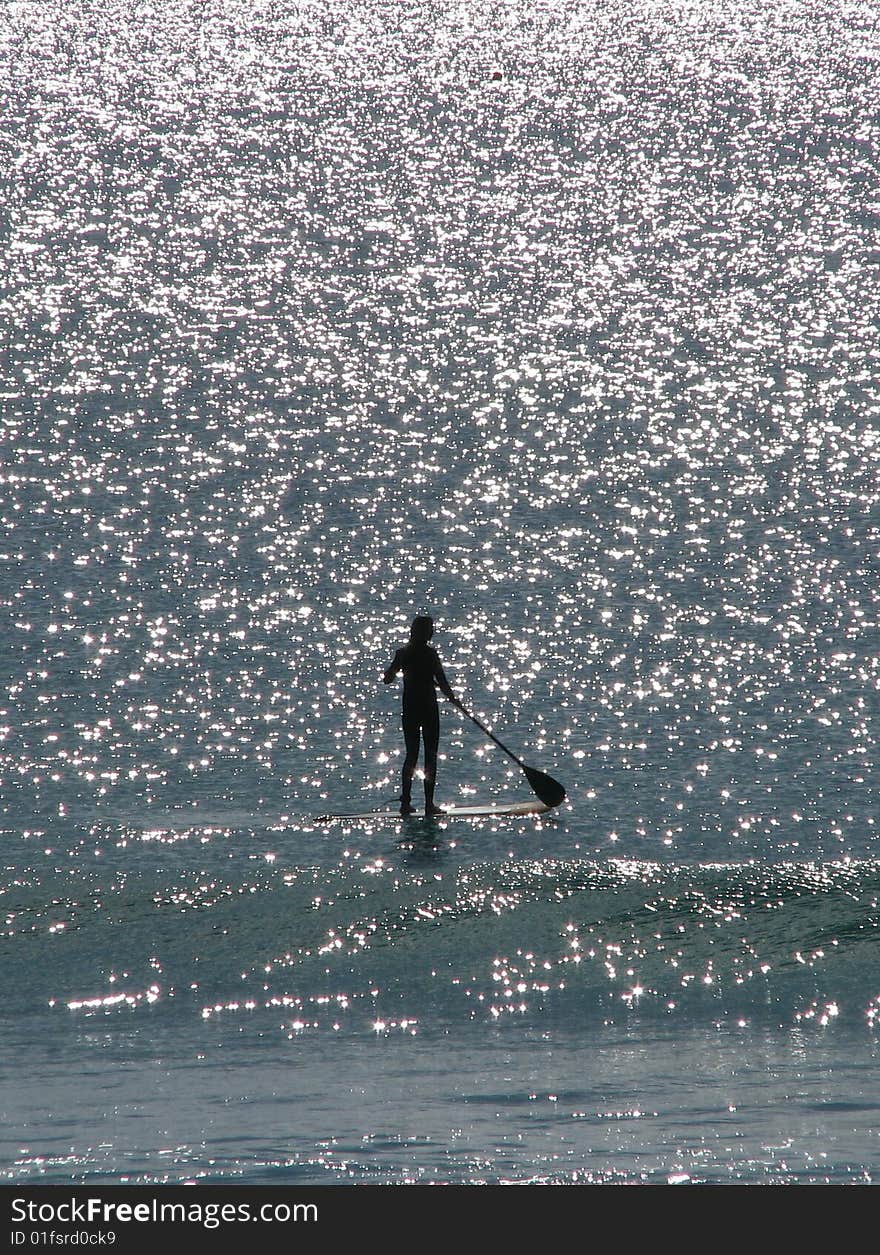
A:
(411, 736)
(431, 737)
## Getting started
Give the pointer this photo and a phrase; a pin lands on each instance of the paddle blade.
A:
(550, 791)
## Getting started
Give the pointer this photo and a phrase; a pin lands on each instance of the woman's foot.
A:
(406, 808)
(431, 810)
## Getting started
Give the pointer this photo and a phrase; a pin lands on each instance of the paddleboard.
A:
(453, 812)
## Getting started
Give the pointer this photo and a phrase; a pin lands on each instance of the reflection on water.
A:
(607, 408)
(557, 323)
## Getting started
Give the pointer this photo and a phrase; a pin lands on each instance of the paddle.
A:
(550, 791)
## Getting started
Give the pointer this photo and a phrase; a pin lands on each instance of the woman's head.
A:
(422, 628)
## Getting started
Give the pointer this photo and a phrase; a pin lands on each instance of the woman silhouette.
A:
(422, 673)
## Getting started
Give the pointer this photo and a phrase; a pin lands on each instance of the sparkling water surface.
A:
(558, 322)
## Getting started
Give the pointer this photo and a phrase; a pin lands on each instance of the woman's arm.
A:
(442, 682)
(393, 669)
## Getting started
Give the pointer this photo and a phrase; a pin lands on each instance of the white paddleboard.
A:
(453, 812)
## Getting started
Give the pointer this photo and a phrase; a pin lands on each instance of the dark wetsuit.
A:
(422, 673)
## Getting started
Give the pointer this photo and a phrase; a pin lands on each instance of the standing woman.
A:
(422, 672)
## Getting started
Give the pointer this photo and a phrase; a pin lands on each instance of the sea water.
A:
(557, 322)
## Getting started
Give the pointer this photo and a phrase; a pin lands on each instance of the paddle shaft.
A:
(491, 735)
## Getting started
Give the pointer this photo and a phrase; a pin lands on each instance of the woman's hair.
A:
(422, 628)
